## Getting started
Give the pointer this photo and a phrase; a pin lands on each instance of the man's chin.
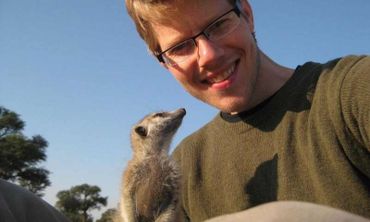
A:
(231, 108)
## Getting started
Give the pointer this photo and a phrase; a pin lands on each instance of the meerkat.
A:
(151, 181)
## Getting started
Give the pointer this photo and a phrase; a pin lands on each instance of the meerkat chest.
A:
(157, 185)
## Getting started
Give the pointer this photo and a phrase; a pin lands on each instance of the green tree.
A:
(20, 156)
(77, 202)
(108, 216)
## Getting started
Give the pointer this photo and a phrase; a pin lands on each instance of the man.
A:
(281, 134)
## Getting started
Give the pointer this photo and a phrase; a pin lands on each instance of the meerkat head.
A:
(156, 130)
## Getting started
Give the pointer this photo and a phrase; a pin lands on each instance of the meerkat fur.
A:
(151, 181)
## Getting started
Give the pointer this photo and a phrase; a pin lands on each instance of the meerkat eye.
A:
(142, 131)
(159, 115)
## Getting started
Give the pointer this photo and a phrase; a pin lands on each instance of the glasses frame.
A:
(236, 10)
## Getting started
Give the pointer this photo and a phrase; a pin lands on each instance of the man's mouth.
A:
(220, 77)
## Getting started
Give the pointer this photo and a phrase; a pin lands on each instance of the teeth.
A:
(222, 76)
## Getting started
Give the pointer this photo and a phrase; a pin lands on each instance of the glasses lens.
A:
(223, 26)
(180, 52)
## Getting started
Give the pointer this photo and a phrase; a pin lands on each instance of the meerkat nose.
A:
(182, 111)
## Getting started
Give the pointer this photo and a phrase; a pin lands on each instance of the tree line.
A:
(20, 159)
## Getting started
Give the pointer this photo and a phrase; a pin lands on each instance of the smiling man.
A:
(281, 135)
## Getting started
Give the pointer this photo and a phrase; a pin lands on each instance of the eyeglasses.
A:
(216, 30)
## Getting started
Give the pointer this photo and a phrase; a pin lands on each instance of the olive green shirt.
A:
(20, 205)
(309, 142)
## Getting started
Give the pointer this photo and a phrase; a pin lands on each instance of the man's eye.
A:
(182, 49)
(219, 26)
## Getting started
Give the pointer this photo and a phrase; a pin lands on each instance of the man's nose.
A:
(208, 51)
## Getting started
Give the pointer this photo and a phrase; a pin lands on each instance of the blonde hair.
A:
(144, 13)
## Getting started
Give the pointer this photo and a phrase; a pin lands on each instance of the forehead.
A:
(188, 20)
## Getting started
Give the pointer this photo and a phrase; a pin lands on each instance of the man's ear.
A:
(248, 12)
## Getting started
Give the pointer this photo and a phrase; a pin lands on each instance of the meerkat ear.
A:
(141, 131)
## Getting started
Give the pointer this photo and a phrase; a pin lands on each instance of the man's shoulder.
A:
(352, 60)
(331, 73)
(347, 64)
(336, 76)
(338, 65)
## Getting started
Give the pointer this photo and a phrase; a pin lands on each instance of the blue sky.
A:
(78, 74)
